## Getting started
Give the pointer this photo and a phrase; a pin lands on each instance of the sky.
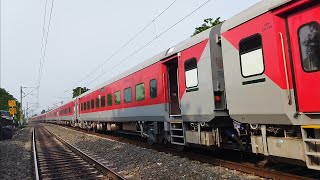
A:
(84, 34)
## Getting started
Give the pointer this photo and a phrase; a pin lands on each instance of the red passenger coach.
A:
(164, 98)
(250, 83)
(304, 35)
(272, 67)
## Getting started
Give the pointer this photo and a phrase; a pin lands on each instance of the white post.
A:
(264, 139)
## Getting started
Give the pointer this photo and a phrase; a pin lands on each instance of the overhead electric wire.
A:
(45, 36)
(29, 93)
(145, 45)
(42, 41)
(128, 42)
(46, 40)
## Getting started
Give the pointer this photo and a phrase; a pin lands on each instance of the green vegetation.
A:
(208, 23)
(78, 91)
(140, 92)
(117, 97)
(4, 98)
(109, 98)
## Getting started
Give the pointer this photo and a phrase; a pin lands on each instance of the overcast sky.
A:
(84, 33)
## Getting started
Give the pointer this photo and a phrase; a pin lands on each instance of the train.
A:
(249, 83)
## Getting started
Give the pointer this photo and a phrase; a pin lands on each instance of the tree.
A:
(208, 23)
(78, 91)
(4, 98)
(43, 111)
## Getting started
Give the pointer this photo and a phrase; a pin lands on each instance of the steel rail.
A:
(36, 172)
(245, 168)
(109, 173)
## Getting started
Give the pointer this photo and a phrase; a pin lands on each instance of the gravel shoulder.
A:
(16, 160)
(135, 162)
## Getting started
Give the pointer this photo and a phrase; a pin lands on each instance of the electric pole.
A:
(27, 114)
(21, 113)
(0, 43)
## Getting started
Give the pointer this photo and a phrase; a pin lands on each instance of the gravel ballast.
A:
(135, 162)
(16, 160)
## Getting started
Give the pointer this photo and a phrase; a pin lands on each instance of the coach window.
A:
(92, 104)
(84, 106)
(81, 107)
(69, 110)
(309, 39)
(153, 88)
(103, 101)
(97, 102)
(127, 95)
(109, 98)
(251, 56)
(191, 73)
(117, 98)
(88, 105)
(140, 92)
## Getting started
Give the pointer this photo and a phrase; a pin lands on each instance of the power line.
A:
(29, 93)
(145, 45)
(128, 42)
(45, 36)
(42, 41)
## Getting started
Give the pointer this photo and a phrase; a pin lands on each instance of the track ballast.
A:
(56, 159)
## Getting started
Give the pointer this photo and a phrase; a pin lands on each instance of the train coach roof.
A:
(252, 12)
(177, 48)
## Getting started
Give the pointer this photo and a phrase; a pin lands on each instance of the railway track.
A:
(54, 158)
(207, 157)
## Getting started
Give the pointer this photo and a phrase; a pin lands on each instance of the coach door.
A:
(76, 110)
(304, 30)
(173, 86)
